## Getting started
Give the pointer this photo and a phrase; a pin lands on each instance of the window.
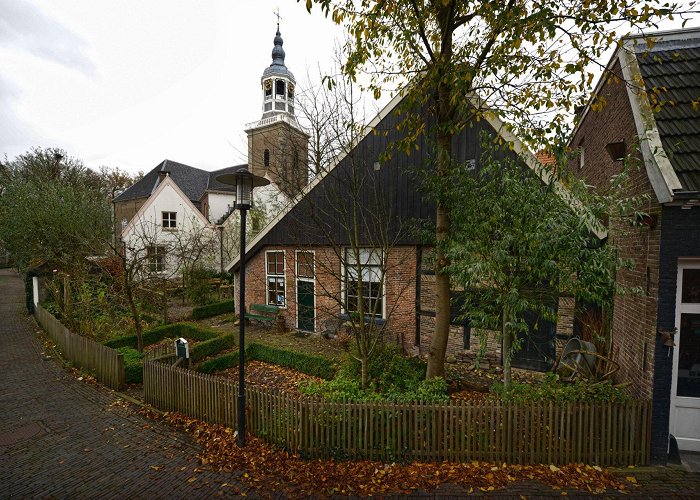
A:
(266, 157)
(279, 88)
(305, 265)
(581, 156)
(156, 258)
(169, 220)
(370, 277)
(268, 88)
(274, 267)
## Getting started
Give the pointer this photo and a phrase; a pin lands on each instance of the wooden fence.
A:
(106, 364)
(593, 433)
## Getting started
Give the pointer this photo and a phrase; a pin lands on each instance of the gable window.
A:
(274, 271)
(364, 287)
(155, 256)
(169, 220)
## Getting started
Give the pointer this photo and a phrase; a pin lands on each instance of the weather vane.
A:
(277, 14)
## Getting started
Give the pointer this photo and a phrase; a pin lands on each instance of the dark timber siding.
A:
(680, 237)
(393, 189)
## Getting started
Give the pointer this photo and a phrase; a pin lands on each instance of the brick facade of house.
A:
(634, 314)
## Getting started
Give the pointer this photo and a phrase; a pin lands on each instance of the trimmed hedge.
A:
(133, 365)
(211, 347)
(189, 331)
(220, 363)
(311, 364)
(210, 310)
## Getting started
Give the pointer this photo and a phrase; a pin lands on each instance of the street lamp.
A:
(244, 182)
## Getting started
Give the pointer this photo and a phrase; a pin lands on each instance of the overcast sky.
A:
(129, 83)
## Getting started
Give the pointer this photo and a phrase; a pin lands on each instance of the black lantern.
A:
(244, 182)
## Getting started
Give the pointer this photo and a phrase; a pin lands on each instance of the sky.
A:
(130, 83)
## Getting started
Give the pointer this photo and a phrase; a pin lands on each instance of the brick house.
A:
(302, 261)
(650, 112)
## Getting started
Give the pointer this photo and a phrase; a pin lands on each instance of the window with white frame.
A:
(274, 270)
(155, 256)
(169, 220)
(367, 272)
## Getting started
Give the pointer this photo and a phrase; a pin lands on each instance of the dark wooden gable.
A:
(393, 189)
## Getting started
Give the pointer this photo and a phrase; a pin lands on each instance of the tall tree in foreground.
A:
(529, 61)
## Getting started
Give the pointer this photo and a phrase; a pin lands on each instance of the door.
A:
(685, 388)
(306, 296)
(537, 346)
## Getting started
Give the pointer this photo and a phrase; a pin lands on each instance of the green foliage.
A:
(214, 309)
(133, 365)
(392, 377)
(198, 288)
(310, 364)
(50, 211)
(551, 389)
(188, 331)
(211, 347)
(219, 363)
(388, 370)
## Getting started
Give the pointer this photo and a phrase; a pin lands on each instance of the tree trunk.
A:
(507, 344)
(134, 313)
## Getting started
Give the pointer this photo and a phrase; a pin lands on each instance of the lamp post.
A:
(244, 182)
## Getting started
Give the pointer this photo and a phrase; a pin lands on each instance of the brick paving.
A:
(65, 438)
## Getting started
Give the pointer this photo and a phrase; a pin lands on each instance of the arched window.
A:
(266, 158)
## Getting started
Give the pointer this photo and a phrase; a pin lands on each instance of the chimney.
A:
(162, 174)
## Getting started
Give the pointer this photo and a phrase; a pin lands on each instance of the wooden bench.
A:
(262, 312)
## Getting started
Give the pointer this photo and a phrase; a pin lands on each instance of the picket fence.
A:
(593, 433)
(106, 364)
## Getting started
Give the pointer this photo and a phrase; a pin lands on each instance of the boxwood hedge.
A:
(190, 331)
(212, 309)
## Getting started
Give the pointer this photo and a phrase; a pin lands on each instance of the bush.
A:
(310, 364)
(214, 309)
(189, 331)
(388, 370)
(211, 347)
(220, 363)
(551, 389)
(433, 390)
(133, 365)
(198, 288)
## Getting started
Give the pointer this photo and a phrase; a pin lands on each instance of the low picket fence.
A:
(592, 433)
(106, 364)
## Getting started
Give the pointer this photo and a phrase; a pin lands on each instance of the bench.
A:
(262, 312)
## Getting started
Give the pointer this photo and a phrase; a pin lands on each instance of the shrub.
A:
(189, 331)
(388, 370)
(197, 291)
(310, 364)
(133, 365)
(212, 309)
(433, 390)
(211, 347)
(551, 389)
(220, 363)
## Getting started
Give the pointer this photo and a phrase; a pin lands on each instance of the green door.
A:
(305, 306)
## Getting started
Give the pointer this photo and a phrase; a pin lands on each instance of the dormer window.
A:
(169, 220)
(279, 88)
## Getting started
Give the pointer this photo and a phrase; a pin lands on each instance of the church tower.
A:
(277, 146)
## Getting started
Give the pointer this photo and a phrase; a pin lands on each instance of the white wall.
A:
(218, 205)
(147, 229)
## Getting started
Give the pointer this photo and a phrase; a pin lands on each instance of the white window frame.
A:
(172, 221)
(307, 279)
(344, 278)
(284, 277)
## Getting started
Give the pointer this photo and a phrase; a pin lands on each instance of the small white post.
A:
(35, 283)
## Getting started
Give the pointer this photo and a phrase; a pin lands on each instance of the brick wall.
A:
(399, 295)
(634, 315)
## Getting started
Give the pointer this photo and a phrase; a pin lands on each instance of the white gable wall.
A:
(219, 205)
(146, 229)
